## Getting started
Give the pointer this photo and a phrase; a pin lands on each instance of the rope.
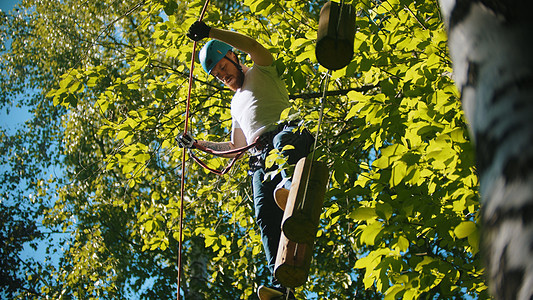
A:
(321, 115)
(229, 152)
(183, 159)
(239, 152)
(218, 172)
(302, 203)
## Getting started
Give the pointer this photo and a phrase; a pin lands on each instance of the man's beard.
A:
(239, 79)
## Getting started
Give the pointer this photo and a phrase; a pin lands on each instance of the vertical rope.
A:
(183, 158)
(302, 203)
(320, 116)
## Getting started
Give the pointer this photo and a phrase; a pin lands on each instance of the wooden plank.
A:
(292, 262)
(335, 35)
(305, 200)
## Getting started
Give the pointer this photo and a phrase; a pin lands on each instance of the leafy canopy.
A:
(400, 215)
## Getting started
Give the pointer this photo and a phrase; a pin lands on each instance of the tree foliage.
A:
(400, 215)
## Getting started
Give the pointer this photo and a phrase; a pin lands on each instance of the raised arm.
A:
(259, 54)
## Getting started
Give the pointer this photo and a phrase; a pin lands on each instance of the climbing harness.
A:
(259, 144)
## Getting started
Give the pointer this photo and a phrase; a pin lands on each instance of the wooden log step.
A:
(305, 200)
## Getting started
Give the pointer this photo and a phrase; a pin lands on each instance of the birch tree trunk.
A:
(491, 48)
(197, 265)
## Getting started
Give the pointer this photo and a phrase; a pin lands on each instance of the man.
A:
(260, 97)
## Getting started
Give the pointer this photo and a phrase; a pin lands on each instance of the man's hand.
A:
(198, 30)
(186, 141)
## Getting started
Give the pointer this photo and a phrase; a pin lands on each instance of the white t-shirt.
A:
(257, 105)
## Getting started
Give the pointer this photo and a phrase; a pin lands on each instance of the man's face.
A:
(228, 73)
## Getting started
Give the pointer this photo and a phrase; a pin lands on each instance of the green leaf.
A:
(363, 214)
(474, 240)
(358, 96)
(384, 210)
(103, 105)
(173, 52)
(149, 226)
(399, 171)
(369, 234)
(403, 243)
(464, 229)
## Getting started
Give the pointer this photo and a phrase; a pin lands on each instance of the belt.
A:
(264, 145)
(265, 139)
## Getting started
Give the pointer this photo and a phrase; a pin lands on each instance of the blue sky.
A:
(16, 116)
(6, 5)
(15, 120)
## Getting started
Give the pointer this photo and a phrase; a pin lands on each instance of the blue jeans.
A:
(268, 215)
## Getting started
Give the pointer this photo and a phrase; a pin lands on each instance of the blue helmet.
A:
(212, 53)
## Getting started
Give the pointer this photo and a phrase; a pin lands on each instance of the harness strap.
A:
(238, 151)
(228, 152)
(234, 63)
(218, 172)
(259, 143)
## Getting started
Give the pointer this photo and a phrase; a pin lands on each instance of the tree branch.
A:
(332, 93)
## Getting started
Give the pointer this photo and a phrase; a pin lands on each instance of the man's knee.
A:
(301, 140)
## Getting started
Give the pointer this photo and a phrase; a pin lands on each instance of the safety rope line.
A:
(302, 203)
(215, 171)
(238, 151)
(320, 116)
(183, 159)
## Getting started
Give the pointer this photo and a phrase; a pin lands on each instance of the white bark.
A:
(490, 45)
